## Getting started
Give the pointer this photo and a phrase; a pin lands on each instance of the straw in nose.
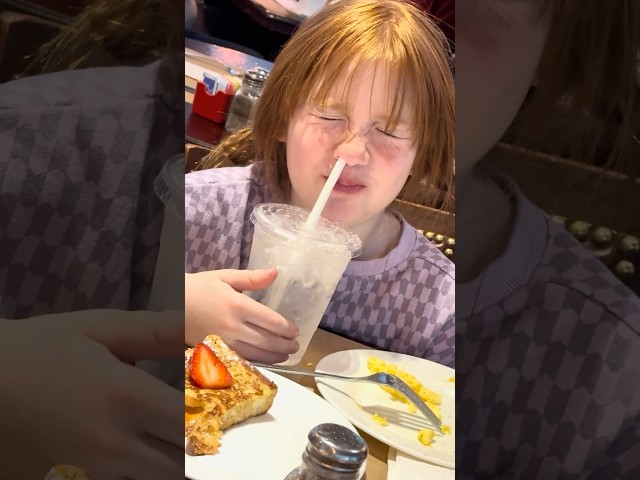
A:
(314, 216)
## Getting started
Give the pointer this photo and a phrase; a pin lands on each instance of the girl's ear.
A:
(282, 135)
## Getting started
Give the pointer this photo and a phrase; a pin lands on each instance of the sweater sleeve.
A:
(80, 222)
(550, 395)
(215, 205)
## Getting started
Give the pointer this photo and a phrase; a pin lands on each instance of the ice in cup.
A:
(310, 265)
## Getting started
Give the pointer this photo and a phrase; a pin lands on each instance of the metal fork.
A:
(380, 378)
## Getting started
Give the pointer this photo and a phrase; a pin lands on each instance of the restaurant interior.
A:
(235, 36)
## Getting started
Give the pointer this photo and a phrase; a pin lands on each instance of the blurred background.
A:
(251, 32)
(231, 36)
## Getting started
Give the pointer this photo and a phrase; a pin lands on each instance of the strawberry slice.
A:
(206, 370)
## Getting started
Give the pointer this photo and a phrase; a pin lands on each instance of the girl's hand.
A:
(214, 304)
(70, 397)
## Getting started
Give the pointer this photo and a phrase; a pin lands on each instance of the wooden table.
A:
(322, 344)
(200, 131)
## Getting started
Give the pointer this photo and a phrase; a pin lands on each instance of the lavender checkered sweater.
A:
(548, 362)
(403, 302)
(79, 220)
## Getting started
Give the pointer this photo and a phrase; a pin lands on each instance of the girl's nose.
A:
(353, 150)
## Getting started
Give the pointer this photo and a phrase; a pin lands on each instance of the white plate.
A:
(269, 446)
(360, 400)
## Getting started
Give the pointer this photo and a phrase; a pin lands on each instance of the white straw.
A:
(314, 216)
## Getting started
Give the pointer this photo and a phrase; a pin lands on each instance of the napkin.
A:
(404, 467)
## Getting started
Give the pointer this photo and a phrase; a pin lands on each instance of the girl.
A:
(548, 346)
(368, 81)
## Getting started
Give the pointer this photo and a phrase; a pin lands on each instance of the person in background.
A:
(224, 23)
(547, 338)
(197, 21)
(367, 81)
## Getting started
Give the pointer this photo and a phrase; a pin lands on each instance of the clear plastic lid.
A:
(286, 223)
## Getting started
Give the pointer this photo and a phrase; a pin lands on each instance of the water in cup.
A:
(310, 265)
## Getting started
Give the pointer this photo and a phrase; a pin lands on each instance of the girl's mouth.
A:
(347, 186)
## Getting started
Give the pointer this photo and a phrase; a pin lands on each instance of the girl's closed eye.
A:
(329, 116)
(397, 134)
(389, 133)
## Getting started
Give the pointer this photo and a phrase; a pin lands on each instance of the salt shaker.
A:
(333, 453)
(245, 99)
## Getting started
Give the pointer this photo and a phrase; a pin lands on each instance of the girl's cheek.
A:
(391, 149)
(328, 136)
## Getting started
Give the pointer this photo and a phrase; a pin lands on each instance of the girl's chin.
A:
(335, 214)
(341, 219)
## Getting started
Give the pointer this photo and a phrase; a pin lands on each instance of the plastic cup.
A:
(310, 265)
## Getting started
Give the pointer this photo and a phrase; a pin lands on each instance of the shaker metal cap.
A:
(254, 77)
(336, 448)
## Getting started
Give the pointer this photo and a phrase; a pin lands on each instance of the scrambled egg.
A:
(431, 398)
(426, 436)
(380, 419)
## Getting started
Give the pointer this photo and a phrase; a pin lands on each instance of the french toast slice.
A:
(210, 411)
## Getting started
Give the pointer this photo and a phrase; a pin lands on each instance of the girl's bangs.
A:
(327, 75)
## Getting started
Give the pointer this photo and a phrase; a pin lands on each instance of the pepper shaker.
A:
(333, 453)
(245, 99)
